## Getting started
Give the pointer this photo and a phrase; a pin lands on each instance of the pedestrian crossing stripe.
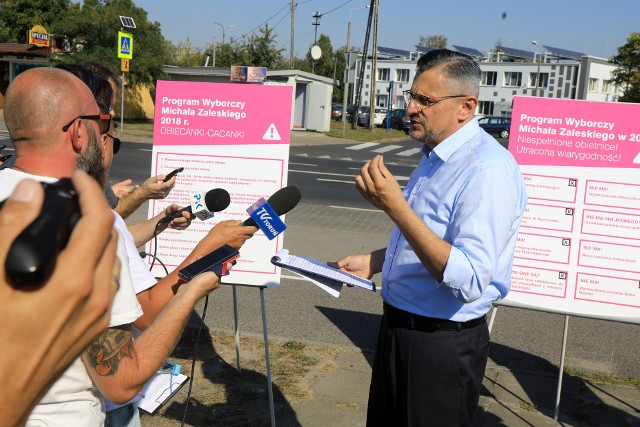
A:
(386, 148)
(362, 146)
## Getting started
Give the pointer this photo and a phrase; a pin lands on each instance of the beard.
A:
(91, 162)
(427, 136)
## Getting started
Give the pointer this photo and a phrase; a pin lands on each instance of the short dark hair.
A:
(459, 69)
(105, 71)
(99, 86)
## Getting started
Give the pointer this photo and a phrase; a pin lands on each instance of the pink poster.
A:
(578, 250)
(226, 136)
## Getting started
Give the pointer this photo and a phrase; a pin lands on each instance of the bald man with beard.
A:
(55, 125)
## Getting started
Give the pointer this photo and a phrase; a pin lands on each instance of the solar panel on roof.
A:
(516, 52)
(468, 50)
(564, 53)
(392, 51)
(423, 49)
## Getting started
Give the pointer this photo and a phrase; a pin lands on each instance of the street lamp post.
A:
(345, 84)
(533, 42)
(214, 40)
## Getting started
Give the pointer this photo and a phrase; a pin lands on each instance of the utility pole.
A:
(315, 23)
(374, 71)
(358, 92)
(293, 8)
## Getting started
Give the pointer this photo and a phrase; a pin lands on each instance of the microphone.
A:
(282, 201)
(215, 200)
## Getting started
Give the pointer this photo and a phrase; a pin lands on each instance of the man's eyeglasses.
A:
(116, 143)
(425, 101)
(104, 122)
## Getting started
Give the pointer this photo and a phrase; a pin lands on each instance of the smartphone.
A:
(216, 261)
(172, 174)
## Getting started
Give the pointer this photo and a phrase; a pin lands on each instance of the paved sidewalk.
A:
(508, 398)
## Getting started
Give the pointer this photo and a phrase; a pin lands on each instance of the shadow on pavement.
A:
(244, 395)
(528, 383)
(360, 328)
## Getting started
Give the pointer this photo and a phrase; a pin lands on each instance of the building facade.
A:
(551, 73)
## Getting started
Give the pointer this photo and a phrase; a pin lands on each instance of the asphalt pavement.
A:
(514, 394)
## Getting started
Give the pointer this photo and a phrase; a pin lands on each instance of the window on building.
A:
(544, 80)
(512, 79)
(383, 74)
(489, 78)
(593, 85)
(402, 75)
(400, 102)
(381, 100)
(485, 108)
(606, 86)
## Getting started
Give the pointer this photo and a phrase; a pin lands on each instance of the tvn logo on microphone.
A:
(266, 218)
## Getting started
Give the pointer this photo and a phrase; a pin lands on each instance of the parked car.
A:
(336, 111)
(396, 120)
(496, 125)
(379, 115)
(350, 112)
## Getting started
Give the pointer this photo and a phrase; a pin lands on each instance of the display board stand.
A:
(562, 355)
(265, 335)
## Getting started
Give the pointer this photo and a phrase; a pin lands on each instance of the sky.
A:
(593, 27)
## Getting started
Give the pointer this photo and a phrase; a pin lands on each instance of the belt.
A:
(397, 318)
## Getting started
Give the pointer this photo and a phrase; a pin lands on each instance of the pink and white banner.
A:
(578, 250)
(229, 136)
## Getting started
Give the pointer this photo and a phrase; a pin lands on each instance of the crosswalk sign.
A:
(125, 45)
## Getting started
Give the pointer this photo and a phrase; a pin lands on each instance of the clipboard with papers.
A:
(328, 278)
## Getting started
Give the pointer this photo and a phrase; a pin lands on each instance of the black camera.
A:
(32, 256)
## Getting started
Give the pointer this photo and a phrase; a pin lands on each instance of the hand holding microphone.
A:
(234, 233)
(203, 205)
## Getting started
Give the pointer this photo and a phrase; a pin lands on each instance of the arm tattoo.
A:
(108, 350)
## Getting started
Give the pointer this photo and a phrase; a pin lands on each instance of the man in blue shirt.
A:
(449, 255)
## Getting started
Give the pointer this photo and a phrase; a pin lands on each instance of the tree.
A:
(185, 55)
(325, 65)
(92, 29)
(627, 75)
(262, 50)
(230, 53)
(435, 42)
(18, 16)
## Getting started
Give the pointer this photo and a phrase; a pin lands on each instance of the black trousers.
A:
(426, 377)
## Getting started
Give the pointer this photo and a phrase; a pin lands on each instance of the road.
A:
(333, 220)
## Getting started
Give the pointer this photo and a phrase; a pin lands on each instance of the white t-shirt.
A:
(73, 399)
(140, 275)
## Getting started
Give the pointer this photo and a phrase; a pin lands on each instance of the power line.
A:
(336, 8)
(267, 20)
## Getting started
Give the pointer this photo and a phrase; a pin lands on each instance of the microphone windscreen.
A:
(282, 201)
(285, 199)
(217, 200)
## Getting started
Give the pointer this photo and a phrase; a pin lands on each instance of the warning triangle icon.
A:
(271, 134)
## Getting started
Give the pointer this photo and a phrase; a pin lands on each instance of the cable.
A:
(155, 245)
(145, 254)
(336, 8)
(193, 361)
(267, 20)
